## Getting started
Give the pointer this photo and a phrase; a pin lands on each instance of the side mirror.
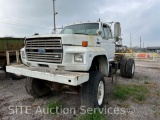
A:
(99, 32)
(117, 31)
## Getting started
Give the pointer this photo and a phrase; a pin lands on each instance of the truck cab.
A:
(67, 50)
(78, 58)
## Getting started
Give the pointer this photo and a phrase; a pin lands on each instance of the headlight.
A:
(78, 57)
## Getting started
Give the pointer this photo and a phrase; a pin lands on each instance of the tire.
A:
(130, 68)
(36, 87)
(123, 67)
(15, 76)
(89, 91)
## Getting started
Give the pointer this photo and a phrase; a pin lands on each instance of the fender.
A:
(89, 54)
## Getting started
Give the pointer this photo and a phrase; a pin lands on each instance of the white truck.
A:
(77, 59)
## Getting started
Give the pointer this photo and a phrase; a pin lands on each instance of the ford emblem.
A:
(41, 51)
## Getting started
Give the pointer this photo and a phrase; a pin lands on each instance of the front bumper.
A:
(63, 77)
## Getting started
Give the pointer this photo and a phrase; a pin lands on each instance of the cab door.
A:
(107, 42)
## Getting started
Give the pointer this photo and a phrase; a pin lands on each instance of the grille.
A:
(44, 50)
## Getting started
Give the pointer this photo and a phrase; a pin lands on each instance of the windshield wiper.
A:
(81, 33)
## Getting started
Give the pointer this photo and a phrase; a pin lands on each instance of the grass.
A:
(140, 97)
(146, 82)
(155, 109)
(53, 105)
(145, 77)
(123, 105)
(135, 92)
(93, 116)
(158, 93)
(153, 85)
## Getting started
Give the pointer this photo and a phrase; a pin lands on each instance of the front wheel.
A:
(15, 76)
(93, 91)
(36, 87)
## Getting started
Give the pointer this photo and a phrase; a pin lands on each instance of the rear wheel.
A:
(36, 87)
(123, 67)
(130, 68)
(93, 91)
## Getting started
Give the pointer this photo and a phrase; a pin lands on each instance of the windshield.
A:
(86, 28)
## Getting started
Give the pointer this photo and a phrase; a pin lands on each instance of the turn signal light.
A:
(84, 43)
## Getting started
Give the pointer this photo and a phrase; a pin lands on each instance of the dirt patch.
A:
(13, 94)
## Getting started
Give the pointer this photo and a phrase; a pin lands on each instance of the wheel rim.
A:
(133, 68)
(100, 94)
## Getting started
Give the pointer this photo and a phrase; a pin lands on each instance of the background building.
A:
(154, 49)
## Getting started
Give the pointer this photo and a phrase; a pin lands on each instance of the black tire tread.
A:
(130, 63)
(89, 93)
(123, 67)
(28, 86)
(15, 77)
(32, 89)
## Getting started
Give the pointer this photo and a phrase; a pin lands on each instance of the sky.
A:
(140, 18)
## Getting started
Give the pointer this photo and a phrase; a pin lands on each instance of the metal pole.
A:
(54, 16)
(140, 43)
(130, 40)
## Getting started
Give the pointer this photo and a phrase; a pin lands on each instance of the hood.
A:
(71, 39)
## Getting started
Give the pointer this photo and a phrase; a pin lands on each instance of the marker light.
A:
(84, 43)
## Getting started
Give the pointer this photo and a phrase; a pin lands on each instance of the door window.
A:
(107, 32)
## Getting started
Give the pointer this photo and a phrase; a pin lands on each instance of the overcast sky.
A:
(21, 18)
